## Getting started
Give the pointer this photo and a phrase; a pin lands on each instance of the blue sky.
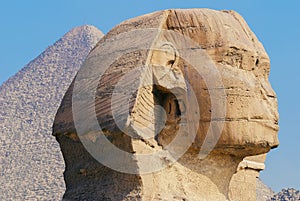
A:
(28, 27)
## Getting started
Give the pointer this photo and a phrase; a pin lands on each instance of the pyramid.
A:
(31, 163)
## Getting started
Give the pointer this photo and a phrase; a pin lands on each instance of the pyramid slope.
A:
(31, 162)
(263, 192)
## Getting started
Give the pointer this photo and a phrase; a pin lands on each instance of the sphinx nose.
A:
(270, 99)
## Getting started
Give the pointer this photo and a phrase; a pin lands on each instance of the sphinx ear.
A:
(164, 55)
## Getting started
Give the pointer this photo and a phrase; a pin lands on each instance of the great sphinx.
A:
(172, 105)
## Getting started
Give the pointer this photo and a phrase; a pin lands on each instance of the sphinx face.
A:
(246, 117)
(252, 117)
(249, 121)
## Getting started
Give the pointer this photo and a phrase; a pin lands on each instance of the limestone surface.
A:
(176, 105)
(31, 164)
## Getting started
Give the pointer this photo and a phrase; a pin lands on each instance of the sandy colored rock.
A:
(154, 90)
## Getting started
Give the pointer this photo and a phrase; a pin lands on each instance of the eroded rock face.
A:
(180, 83)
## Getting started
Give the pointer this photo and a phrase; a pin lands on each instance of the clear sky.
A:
(28, 27)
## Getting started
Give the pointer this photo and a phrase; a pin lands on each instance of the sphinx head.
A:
(177, 86)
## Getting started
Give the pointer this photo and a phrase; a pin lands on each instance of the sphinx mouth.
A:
(269, 123)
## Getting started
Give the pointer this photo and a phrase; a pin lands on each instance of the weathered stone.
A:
(157, 67)
(31, 164)
(289, 194)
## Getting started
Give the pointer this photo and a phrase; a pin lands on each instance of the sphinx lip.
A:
(272, 124)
